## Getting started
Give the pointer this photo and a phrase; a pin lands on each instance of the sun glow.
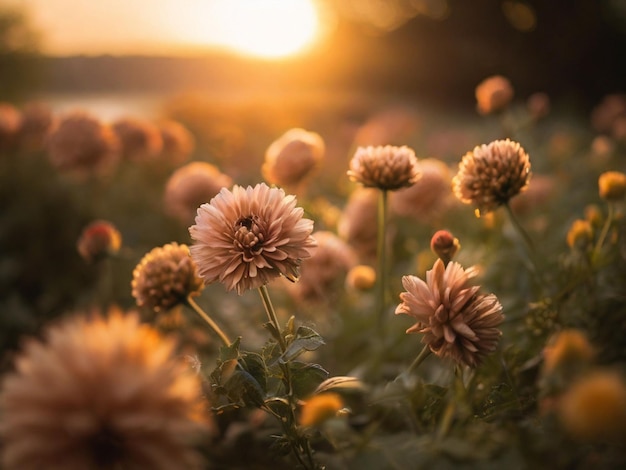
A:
(265, 28)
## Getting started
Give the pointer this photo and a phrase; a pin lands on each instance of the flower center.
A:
(248, 235)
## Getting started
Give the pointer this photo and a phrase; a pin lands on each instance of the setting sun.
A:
(268, 29)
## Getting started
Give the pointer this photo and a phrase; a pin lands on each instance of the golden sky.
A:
(265, 28)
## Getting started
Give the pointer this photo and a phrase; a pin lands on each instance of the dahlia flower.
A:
(246, 237)
(457, 321)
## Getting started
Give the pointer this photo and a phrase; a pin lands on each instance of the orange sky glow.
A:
(271, 29)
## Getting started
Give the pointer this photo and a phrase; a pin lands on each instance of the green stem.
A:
(382, 262)
(299, 444)
(424, 353)
(520, 230)
(194, 306)
(605, 231)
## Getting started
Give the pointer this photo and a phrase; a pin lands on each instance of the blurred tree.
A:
(19, 57)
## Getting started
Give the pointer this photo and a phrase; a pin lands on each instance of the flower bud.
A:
(444, 245)
(98, 240)
(612, 185)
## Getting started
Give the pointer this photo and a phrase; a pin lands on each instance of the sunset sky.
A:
(263, 28)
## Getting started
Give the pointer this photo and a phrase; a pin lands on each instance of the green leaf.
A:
(255, 365)
(230, 352)
(306, 339)
(243, 387)
(305, 378)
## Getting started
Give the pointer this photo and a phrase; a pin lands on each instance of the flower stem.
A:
(299, 444)
(381, 275)
(194, 306)
(424, 353)
(528, 243)
(605, 231)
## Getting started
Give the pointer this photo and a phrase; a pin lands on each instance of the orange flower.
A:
(98, 240)
(493, 94)
(246, 237)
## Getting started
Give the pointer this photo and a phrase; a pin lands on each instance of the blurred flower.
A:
(579, 234)
(190, 186)
(490, 175)
(81, 144)
(326, 270)
(178, 141)
(444, 245)
(493, 94)
(10, 122)
(567, 350)
(37, 120)
(361, 277)
(612, 185)
(101, 393)
(165, 277)
(141, 140)
(457, 321)
(291, 157)
(428, 197)
(98, 240)
(387, 167)
(320, 408)
(390, 126)
(618, 131)
(605, 113)
(594, 216)
(535, 196)
(538, 105)
(594, 408)
(246, 237)
(358, 222)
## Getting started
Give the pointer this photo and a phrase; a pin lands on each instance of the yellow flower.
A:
(361, 277)
(594, 408)
(612, 185)
(568, 349)
(320, 408)
(579, 234)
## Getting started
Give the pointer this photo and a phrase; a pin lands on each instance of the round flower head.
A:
(178, 142)
(140, 139)
(490, 175)
(457, 321)
(165, 277)
(358, 222)
(327, 268)
(444, 245)
(10, 123)
(190, 186)
(612, 185)
(290, 158)
(493, 94)
(246, 237)
(429, 197)
(98, 240)
(384, 167)
(82, 144)
(101, 393)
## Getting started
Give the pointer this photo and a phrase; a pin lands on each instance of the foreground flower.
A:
(101, 393)
(457, 321)
(165, 277)
(291, 157)
(80, 143)
(98, 240)
(493, 94)
(246, 237)
(384, 167)
(490, 175)
(190, 186)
